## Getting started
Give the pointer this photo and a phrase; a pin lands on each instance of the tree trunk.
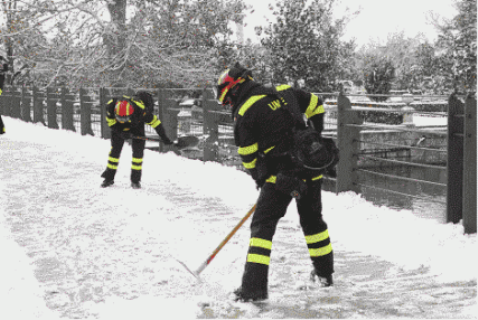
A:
(115, 39)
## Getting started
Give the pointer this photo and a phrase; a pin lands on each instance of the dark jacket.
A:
(141, 115)
(263, 123)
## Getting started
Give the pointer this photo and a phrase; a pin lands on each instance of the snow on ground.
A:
(75, 250)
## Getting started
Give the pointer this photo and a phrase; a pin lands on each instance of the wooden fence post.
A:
(105, 132)
(37, 106)
(51, 100)
(25, 105)
(210, 129)
(454, 197)
(85, 112)
(3, 101)
(168, 118)
(15, 108)
(162, 110)
(348, 145)
(67, 121)
(469, 166)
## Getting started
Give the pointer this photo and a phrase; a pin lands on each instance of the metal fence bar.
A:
(387, 127)
(401, 193)
(415, 164)
(383, 110)
(384, 175)
(402, 145)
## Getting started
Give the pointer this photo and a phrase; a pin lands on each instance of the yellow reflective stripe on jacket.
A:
(244, 151)
(317, 237)
(261, 243)
(249, 103)
(139, 104)
(155, 122)
(269, 149)
(110, 159)
(134, 167)
(282, 87)
(109, 101)
(250, 165)
(273, 179)
(110, 121)
(313, 107)
(320, 251)
(257, 258)
(138, 160)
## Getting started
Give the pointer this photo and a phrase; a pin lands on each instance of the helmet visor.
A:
(123, 119)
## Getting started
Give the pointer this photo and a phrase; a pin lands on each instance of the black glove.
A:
(126, 135)
(162, 134)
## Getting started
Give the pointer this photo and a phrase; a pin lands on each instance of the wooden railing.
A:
(453, 144)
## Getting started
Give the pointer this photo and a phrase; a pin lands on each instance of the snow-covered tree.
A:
(305, 45)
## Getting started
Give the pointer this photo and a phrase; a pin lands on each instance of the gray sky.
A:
(377, 19)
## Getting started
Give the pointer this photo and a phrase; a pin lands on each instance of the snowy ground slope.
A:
(74, 250)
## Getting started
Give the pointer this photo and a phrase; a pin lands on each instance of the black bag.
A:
(312, 151)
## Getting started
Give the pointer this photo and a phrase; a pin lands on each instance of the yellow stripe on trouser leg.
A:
(257, 254)
(321, 251)
(258, 258)
(316, 238)
(136, 164)
(113, 163)
(261, 243)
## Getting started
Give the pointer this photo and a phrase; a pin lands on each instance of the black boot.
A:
(257, 296)
(322, 281)
(106, 183)
(135, 185)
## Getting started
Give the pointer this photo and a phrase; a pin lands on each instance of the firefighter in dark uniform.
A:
(4, 69)
(126, 117)
(262, 131)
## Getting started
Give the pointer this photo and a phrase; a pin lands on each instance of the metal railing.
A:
(379, 146)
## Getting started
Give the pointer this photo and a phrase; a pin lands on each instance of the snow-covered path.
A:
(108, 253)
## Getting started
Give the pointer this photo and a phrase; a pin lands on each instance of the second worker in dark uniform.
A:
(126, 116)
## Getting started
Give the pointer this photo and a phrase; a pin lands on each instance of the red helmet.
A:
(123, 111)
(226, 84)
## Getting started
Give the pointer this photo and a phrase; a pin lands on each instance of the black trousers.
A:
(271, 207)
(117, 143)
